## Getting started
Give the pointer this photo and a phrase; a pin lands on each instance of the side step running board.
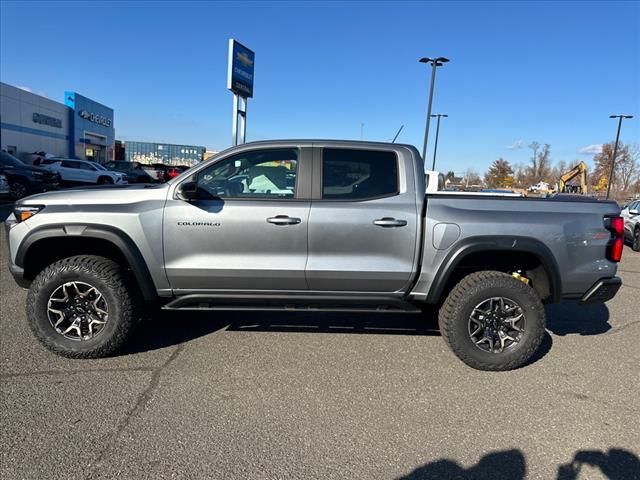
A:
(291, 303)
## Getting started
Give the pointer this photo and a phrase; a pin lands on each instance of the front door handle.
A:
(283, 220)
(389, 222)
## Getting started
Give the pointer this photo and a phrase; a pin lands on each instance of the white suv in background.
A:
(631, 216)
(83, 171)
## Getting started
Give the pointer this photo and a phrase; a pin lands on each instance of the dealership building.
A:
(79, 127)
(153, 152)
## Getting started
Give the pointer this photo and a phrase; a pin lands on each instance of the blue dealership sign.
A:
(240, 74)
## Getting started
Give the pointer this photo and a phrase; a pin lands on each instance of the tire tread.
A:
(449, 313)
(112, 275)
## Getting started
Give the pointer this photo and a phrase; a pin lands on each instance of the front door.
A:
(247, 229)
(363, 226)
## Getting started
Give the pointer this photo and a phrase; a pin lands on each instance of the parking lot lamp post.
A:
(615, 150)
(435, 147)
(435, 63)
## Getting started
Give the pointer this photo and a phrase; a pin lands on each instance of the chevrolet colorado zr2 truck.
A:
(315, 225)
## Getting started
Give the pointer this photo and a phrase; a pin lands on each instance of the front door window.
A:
(269, 174)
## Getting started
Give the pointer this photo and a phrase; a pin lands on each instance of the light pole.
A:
(435, 62)
(435, 148)
(615, 150)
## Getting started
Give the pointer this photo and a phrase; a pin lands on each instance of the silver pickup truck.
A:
(313, 225)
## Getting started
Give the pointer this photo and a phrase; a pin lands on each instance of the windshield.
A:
(10, 160)
(98, 166)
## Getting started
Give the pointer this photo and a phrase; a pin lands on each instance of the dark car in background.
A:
(26, 179)
(135, 171)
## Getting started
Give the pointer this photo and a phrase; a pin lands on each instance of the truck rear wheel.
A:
(80, 307)
(492, 321)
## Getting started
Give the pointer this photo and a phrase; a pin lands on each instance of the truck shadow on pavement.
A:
(170, 328)
(175, 327)
(569, 317)
(615, 464)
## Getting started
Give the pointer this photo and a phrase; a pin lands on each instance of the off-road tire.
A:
(635, 240)
(110, 279)
(472, 290)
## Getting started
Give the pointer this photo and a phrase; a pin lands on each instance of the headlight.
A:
(37, 173)
(25, 212)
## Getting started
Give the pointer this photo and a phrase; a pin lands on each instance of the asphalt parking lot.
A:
(292, 395)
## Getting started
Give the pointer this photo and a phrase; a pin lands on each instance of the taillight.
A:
(615, 246)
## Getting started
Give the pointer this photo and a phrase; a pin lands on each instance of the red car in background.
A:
(167, 172)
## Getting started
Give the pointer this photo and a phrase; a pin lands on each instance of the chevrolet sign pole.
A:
(240, 82)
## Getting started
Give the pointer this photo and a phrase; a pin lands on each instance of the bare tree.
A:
(471, 178)
(540, 168)
(626, 169)
(533, 169)
(560, 169)
(520, 176)
(544, 163)
(627, 166)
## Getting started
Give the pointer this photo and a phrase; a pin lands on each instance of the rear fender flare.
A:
(506, 243)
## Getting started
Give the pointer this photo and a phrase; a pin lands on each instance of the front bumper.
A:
(18, 275)
(16, 272)
(602, 291)
(44, 186)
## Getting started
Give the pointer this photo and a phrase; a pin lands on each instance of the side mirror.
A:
(187, 191)
(634, 211)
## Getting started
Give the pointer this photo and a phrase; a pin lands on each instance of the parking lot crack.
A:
(36, 373)
(622, 327)
(140, 405)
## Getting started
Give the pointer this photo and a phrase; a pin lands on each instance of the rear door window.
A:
(70, 164)
(351, 174)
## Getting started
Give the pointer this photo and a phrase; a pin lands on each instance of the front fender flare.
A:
(117, 237)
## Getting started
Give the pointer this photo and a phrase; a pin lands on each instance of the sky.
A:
(552, 72)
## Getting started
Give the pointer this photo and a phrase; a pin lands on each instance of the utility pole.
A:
(399, 130)
(435, 148)
(434, 62)
(615, 150)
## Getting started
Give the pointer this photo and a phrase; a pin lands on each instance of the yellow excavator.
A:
(565, 187)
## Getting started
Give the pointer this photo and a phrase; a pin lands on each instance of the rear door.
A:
(247, 231)
(363, 226)
(70, 171)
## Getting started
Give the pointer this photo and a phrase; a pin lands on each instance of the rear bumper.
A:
(602, 291)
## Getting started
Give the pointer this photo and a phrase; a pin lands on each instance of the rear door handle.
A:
(283, 220)
(389, 222)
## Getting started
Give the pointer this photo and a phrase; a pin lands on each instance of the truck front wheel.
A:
(492, 321)
(81, 307)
